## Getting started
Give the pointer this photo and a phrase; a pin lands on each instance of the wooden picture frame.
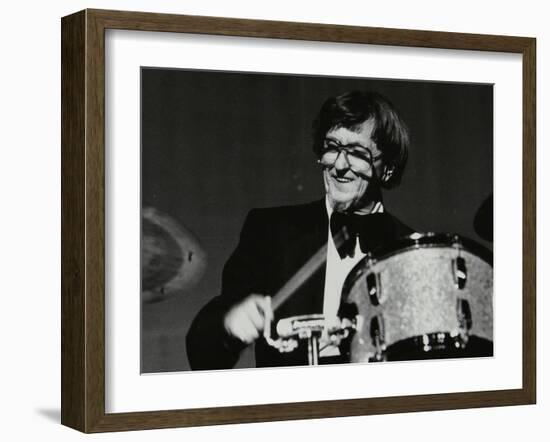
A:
(83, 220)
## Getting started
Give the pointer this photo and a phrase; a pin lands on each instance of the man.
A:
(361, 144)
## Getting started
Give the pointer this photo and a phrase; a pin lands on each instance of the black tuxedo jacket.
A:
(273, 245)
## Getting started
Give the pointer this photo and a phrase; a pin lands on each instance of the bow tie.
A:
(372, 231)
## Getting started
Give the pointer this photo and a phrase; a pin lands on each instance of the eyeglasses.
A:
(358, 157)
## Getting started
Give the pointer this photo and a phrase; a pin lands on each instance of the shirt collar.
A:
(378, 207)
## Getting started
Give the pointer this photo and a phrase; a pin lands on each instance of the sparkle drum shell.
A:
(427, 296)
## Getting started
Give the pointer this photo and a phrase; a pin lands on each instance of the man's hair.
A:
(352, 109)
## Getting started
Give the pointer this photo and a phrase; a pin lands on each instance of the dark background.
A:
(216, 144)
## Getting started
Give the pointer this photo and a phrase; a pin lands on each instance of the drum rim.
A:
(416, 241)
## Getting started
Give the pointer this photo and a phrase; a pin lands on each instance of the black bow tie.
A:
(372, 231)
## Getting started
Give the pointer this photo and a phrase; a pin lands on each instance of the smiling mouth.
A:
(341, 179)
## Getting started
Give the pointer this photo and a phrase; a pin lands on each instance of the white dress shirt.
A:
(336, 272)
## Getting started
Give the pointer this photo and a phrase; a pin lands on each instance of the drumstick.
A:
(305, 272)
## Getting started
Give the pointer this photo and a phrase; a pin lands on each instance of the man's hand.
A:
(246, 320)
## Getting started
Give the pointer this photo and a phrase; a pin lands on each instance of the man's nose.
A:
(341, 162)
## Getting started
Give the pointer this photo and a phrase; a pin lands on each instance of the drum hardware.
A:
(306, 327)
(373, 281)
(371, 260)
(378, 338)
(460, 274)
(438, 341)
(373, 288)
(408, 304)
(457, 339)
(313, 329)
(401, 302)
(429, 344)
(464, 317)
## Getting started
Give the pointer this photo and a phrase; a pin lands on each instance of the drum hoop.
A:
(417, 241)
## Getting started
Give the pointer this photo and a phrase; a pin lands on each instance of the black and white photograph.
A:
(268, 221)
(294, 220)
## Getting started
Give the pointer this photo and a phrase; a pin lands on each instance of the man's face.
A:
(347, 171)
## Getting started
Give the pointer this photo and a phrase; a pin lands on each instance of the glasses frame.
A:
(369, 159)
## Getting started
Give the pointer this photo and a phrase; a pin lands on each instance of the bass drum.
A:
(428, 296)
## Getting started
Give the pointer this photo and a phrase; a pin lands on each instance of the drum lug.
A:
(464, 316)
(377, 334)
(374, 288)
(460, 273)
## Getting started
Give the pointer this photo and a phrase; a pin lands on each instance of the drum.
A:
(315, 329)
(428, 296)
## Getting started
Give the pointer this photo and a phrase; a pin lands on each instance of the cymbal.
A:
(172, 258)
